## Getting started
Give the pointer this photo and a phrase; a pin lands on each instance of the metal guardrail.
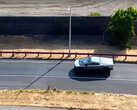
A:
(66, 53)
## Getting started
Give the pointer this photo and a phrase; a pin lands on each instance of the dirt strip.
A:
(68, 99)
(22, 43)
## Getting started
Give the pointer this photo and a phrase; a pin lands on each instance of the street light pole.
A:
(70, 30)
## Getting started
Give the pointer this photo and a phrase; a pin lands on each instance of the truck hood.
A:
(76, 63)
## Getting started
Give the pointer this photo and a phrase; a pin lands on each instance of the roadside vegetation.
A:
(94, 14)
(68, 99)
(121, 27)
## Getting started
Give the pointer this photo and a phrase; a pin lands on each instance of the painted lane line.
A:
(46, 62)
(65, 77)
(52, 62)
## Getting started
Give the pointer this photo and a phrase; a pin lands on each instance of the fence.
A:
(90, 29)
(81, 25)
(65, 53)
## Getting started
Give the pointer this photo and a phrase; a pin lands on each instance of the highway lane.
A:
(38, 74)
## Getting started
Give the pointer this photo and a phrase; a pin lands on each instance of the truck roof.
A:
(102, 60)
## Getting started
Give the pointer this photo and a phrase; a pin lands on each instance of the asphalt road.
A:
(39, 74)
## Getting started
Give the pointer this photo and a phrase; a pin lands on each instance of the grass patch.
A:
(94, 14)
(69, 92)
(84, 92)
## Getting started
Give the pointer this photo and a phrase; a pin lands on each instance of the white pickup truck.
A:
(94, 63)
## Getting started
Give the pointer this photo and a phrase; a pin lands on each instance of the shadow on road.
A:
(88, 75)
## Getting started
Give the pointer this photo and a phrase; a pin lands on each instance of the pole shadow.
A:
(88, 75)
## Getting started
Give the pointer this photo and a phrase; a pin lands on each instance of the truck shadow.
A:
(88, 75)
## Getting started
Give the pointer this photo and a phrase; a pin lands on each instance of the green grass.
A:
(94, 14)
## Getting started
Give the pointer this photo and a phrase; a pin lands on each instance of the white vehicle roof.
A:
(95, 59)
(106, 61)
(102, 60)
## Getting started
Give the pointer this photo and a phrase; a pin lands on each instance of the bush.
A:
(121, 27)
(94, 14)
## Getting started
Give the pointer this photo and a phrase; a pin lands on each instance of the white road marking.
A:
(50, 62)
(34, 61)
(65, 77)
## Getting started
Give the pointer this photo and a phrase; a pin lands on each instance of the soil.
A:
(68, 99)
(60, 7)
(22, 43)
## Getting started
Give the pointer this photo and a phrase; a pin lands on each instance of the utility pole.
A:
(69, 29)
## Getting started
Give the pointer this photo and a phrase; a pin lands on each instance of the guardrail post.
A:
(62, 54)
(88, 54)
(50, 54)
(25, 54)
(75, 55)
(125, 57)
(37, 55)
(12, 54)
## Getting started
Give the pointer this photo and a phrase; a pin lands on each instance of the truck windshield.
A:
(84, 61)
